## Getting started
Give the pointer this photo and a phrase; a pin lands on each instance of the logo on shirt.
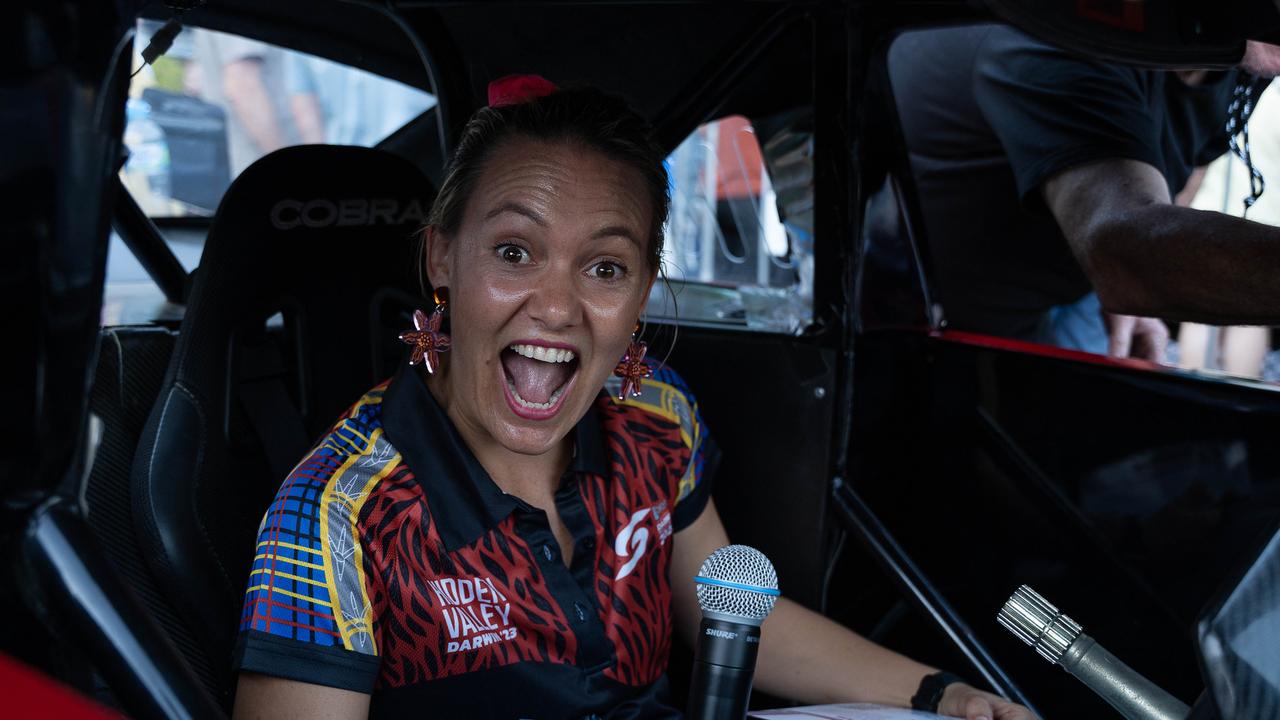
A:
(476, 613)
(633, 540)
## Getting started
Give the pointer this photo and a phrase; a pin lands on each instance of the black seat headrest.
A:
(333, 197)
(313, 231)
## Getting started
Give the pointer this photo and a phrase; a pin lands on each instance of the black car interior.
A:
(856, 454)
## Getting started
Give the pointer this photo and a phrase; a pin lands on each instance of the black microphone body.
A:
(723, 667)
(737, 588)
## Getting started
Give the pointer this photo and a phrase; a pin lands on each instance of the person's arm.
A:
(304, 100)
(1146, 256)
(247, 94)
(809, 658)
(272, 698)
(308, 116)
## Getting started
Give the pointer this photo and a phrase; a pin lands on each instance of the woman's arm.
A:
(803, 655)
(273, 698)
(809, 658)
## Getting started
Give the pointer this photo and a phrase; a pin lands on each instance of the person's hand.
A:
(1261, 59)
(965, 701)
(1137, 337)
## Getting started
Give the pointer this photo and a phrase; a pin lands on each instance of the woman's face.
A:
(546, 278)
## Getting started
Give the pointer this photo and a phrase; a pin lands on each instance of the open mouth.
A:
(537, 378)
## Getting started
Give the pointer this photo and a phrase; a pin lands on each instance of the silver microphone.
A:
(1059, 640)
(737, 588)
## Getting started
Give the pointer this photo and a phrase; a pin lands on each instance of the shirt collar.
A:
(465, 502)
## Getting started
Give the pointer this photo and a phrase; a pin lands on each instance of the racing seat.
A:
(308, 273)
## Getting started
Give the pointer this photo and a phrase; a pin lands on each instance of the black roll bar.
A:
(66, 576)
(860, 520)
(144, 240)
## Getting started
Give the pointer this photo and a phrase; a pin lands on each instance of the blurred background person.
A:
(246, 78)
(340, 105)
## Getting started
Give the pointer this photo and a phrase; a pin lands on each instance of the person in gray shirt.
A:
(246, 78)
(1046, 180)
(341, 105)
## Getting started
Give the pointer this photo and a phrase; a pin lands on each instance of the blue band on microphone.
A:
(737, 586)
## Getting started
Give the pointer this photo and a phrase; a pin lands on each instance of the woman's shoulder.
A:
(664, 399)
(665, 420)
(358, 429)
(367, 411)
(355, 445)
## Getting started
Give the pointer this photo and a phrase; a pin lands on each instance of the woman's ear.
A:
(438, 255)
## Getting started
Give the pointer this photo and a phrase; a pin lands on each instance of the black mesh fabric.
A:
(324, 236)
(131, 367)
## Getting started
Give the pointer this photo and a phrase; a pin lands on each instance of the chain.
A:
(1238, 112)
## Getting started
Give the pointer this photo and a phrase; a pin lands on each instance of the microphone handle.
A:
(1134, 696)
(724, 664)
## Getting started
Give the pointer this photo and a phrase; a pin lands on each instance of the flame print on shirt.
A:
(649, 457)
(423, 631)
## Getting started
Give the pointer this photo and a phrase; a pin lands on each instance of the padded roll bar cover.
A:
(324, 234)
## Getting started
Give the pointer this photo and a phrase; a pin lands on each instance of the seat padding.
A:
(131, 368)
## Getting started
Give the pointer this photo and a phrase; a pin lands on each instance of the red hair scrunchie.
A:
(516, 89)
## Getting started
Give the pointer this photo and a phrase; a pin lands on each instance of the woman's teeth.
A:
(535, 405)
(545, 354)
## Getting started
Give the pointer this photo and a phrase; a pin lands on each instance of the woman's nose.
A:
(554, 302)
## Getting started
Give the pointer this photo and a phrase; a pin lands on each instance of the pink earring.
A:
(426, 338)
(632, 368)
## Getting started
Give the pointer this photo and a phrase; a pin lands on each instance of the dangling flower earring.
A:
(633, 369)
(427, 339)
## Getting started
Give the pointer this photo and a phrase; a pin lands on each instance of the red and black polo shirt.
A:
(390, 563)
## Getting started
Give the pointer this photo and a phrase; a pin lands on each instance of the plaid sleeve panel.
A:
(307, 613)
(288, 591)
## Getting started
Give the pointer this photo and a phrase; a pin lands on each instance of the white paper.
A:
(846, 711)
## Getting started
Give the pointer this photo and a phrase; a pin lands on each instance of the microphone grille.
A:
(1039, 624)
(739, 583)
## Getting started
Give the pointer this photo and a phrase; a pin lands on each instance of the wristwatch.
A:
(931, 688)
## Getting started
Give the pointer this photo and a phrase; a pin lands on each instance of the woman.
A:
(490, 535)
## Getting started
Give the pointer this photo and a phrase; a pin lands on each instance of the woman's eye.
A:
(607, 270)
(513, 254)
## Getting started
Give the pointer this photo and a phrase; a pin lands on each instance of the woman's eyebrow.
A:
(617, 231)
(517, 208)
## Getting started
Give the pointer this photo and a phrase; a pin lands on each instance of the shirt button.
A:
(589, 543)
(547, 553)
(582, 614)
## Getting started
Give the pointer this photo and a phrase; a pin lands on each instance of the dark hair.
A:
(599, 121)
